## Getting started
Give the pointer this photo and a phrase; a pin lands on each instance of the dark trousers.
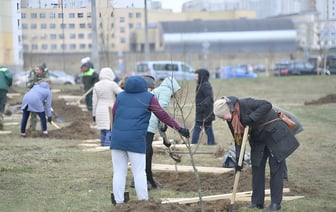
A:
(149, 156)
(276, 179)
(3, 100)
(208, 130)
(88, 101)
(25, 116)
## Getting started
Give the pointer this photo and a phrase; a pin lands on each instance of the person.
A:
(38, 74)
(204, 107)
(89, 78)
(104, 94)
(6, 80)
(131, 114)
(33, 101)
(168, 88)
(270, 138)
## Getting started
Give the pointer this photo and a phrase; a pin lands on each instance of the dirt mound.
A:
(76, 130)
(211, 184)
(330, 98)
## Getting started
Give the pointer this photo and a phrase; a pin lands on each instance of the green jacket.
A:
(6, 78)
(89, 78)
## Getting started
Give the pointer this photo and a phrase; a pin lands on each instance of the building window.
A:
(72, 15)
(122, 40)
(63, 46)
(89, 25)
(63, 26)
(138, 15)
(82, 46)
(90, 36)
(90, 46)
(82, 26)
(25, 47)
(33, 26)
(53, 36)
(23, 15)
(72, 46)
(44, 46)
(71, 26)
(52, 26)
(130, 25)
(43, 26)
(138, 25)
(53, 46)
(52, 15)
(112, 25)
(24, 26)
(81, 36)
(34, 46)
(42, 15)
(122, 20)
(72, 36)
(80, 15)
(122, 29)
(61, 36)
(33, 15)
(130, 15)
(60, 15)
(89, 15)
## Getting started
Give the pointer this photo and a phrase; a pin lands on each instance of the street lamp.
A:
(63, 35)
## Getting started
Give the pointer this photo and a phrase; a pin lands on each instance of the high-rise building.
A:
(10, 34)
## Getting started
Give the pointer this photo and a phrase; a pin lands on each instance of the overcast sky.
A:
(175, 5)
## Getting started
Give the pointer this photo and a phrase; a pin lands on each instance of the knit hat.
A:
(221, 108)
(150, 81)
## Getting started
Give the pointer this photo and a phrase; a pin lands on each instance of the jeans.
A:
(25, 116)
(105, 137)
(208, 130)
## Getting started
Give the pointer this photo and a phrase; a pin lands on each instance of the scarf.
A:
(238, 128)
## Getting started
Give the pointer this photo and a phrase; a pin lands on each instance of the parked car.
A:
(59, 77)
(302, 68)
(162, 69)
(281, 69)
(236, 72)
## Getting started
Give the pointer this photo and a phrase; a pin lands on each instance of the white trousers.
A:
(120, 167)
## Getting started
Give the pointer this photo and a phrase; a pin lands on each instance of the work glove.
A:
(238, 168)
(184, 132)
(49, 119)
(163, 127)
(166, 143)
(94, 118)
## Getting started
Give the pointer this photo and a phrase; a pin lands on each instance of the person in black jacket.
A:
(204, 107)
(270, 138)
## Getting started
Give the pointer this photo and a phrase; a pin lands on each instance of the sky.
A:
(175, 5)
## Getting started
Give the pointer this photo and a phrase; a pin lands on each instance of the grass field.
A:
(39, 174)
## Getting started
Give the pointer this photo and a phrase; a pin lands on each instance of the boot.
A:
(126, 198)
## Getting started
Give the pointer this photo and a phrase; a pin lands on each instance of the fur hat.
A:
(221, 108)
(150, 81)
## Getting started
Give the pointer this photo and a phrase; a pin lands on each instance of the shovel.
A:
(57, 117)
(173, 155)
(237, 175)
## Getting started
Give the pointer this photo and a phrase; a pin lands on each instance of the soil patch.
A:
(330, 98)
(211, 184)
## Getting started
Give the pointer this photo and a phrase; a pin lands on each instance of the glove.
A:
(166, 143)
(163, 127)
(238, 168)
(184, 132)
(49, 119)
(94, 118)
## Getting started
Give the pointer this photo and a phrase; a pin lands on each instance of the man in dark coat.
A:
(204, 107)
(270, 138)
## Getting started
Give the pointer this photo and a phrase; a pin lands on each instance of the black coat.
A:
(204, 98)
(276, 136)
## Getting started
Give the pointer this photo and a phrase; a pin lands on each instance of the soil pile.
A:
(331, 98)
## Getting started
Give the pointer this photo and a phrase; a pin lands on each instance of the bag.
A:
(287, 119)
(229, 160)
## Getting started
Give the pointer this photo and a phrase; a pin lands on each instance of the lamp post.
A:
(63, 35)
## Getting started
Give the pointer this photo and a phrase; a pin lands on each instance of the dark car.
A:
(301, 68)
(281, 69)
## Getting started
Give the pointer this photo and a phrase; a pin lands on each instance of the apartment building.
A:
(10, 34)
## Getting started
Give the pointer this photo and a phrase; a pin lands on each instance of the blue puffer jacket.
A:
(131, 116)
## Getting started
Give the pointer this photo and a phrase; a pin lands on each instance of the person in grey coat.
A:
(270, 138)
(33, 101)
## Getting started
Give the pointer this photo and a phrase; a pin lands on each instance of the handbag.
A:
(287, 119)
